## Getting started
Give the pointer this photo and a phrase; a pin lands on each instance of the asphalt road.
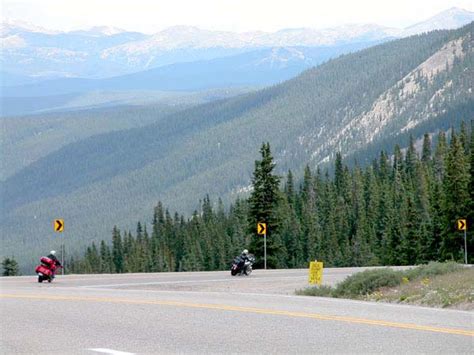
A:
(213, 312)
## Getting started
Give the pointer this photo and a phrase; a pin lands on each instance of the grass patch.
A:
(435, 284)
(367, 281)
(432, 269)
(356, 285)
(454, 289)
(321, 291)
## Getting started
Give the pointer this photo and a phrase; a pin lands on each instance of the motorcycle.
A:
(239, 267)
(46, 269)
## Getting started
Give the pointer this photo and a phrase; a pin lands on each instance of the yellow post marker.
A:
(262, 230)
(462, 226)
(59, 225)
(315, 272)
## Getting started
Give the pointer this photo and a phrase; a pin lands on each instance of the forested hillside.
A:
(354, 104)
(27, 138)
(400, 210)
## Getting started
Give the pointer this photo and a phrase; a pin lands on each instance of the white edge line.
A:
(110, 351)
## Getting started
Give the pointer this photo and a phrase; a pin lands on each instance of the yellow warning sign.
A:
(462, 225)
(315, 272)
(261, 228)
(59, 225)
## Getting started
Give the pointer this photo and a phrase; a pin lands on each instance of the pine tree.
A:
(310, 219)
(117, 252)
(470, 214)
(384, 167)
(372, 200)
(398, 220)
(361, 236)
(290, 231)
(426, 153)
(440, 156)
(146, 251)
(398, 170)
(339, 179)
(411, 158)
(221, 238)
(167, 242)
(410, 244)
(385, 219)
(238, 226)
(157, 245)
(463, 137)
(330, 251)
(421, 186)
(263, 202)
(93, 259)
(10, 267)
(456, 199)
(290, 189)
(106, 261)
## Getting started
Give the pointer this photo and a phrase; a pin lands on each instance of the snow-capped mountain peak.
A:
(448, 19)
(98, 31)
(111, 51)
(11, 27)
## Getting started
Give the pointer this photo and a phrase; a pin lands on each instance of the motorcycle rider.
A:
(244, 257)
(52, 256)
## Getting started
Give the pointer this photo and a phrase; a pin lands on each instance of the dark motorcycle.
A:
(241, 267)
(46, 270)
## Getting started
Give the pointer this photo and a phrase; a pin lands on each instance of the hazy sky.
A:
(234, 15)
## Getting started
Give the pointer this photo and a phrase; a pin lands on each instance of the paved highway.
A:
(213, 312)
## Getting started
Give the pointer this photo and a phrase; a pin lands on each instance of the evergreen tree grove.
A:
(400, 210)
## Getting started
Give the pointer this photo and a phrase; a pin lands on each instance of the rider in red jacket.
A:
(52, 256)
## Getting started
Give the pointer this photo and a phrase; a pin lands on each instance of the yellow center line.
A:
(249, 310)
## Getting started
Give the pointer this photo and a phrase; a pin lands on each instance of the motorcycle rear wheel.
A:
(40, 279)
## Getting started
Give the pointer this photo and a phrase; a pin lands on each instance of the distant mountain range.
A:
(255, 68)
(105, 52)
(99, 168)
(46, 70)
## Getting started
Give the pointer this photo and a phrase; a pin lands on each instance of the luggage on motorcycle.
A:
(46, 261)
(44, 270)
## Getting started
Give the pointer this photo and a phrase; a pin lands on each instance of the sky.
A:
(150, 16)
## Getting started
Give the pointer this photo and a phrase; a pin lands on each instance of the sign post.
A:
(462, 226)
(59, 228)
(262, 230)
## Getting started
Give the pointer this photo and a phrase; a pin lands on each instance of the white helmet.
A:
(245, 252)
(53, 252)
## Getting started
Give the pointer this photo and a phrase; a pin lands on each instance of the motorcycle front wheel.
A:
(40, 278)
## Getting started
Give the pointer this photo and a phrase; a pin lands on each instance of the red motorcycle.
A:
(46, 269)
